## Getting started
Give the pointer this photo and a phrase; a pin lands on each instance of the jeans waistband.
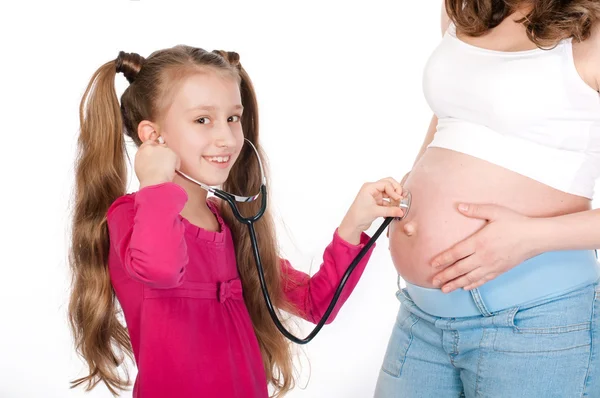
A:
(546, 275)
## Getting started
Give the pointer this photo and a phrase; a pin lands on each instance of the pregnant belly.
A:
(442, 179)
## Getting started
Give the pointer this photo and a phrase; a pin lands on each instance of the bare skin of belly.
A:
(442, 179)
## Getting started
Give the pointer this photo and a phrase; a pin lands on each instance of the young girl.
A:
(502, 296)
(179, 264)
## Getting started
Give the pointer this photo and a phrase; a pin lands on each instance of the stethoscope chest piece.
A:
(404, 203)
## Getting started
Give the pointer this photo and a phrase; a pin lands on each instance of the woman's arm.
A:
(587, 58)
(568, 232)
(444, 23)
(428, 138)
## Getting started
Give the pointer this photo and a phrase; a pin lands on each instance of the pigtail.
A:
(100, 178)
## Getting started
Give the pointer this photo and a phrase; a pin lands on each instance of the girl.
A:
(179, 264)
(502, 294)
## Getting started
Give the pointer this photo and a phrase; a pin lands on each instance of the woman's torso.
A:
(442, 178)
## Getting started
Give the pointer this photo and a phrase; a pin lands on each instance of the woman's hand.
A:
(369, 205)
(499, 246)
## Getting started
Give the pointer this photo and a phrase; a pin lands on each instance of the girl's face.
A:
(203, 125)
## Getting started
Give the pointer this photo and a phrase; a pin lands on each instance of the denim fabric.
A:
(549, 348)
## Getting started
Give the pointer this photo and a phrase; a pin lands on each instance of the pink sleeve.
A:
(147, 234)
(311, 295)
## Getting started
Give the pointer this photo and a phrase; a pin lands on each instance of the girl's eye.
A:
(234, 119)
(203, 120)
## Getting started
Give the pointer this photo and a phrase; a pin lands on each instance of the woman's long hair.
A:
(548, 22)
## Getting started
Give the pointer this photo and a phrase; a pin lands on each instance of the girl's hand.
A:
(155, 163)
(370, 205)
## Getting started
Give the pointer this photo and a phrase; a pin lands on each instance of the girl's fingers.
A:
(397, 186)
(389, 211)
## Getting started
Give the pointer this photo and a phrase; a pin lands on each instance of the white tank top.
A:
(527, 111)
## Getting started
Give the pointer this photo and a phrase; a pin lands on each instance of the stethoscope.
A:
(231, 199)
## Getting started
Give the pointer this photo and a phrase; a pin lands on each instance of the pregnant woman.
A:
(497, 251)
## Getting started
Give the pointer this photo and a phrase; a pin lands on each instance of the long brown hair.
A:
(101, 177)
(548, 21)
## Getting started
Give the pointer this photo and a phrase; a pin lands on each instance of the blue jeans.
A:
(550, 348)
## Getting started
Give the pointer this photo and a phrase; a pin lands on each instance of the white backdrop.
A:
(339, 90)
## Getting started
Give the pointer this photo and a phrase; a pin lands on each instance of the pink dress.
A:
(181, 295)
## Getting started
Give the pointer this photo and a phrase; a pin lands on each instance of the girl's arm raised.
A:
(147, 234)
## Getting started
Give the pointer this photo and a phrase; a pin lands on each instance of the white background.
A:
(339, 90)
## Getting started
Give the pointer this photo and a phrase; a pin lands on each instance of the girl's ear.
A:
(147, 131)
